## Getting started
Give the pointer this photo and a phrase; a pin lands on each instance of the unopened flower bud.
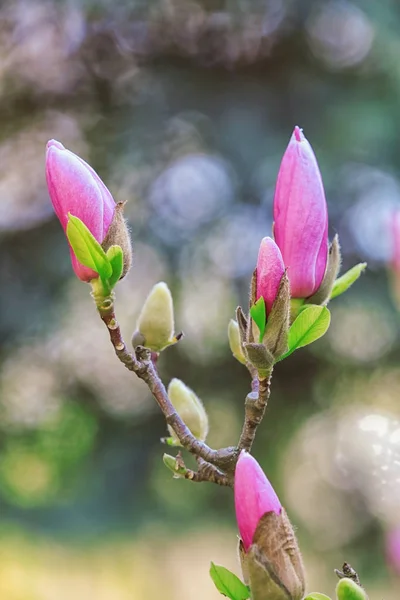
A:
(254, 496)
(75, 188)
(190, 408)
(347, 589)
(301, 217)
(270, 269)
(392, 544)
(155, 325)
(395, 258)
(270, 554)
(234, 341)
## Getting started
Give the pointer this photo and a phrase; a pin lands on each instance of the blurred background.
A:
(185, 107)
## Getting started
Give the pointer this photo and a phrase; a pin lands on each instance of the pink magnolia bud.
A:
(270, 269)
(393, 549)
(76, 188)
(301, 217)
(396, 241)
(254, 496)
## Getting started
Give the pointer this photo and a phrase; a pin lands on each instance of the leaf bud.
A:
(155, 325)
(190, 408)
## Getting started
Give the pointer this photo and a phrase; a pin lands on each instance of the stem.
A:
(142, 365)
(255, 406)
(206, 472)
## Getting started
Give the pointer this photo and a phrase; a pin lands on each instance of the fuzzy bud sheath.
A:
(271, 560)
(190, 408)
(155, 325)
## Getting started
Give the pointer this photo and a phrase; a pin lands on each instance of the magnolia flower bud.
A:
(347, 589)
(234, 341)
(270, 556)
(190, 408)
(269, 272)
(254, 496)
(155, 325)
(301, 217)
(395, 258)
(75, 188)
(392, 544)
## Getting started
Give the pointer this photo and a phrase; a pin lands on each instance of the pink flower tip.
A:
(270, 269)
(254, 497)
(298, 134)
(54, 144)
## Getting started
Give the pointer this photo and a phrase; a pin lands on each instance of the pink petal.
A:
(254, 496)
(301, 217)
(395, 224)
(270, 269)
(75, 188)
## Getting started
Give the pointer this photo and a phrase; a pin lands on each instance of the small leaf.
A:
(347, 589)
(228, 584)
(310, 325)
(173, 465)
(259, 316)
(317, 596)
(342, 284)
(86, 248)
(170, 441)
(116, 260)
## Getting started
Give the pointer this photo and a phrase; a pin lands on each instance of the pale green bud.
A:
(155, 325)
(234, 341)
(190, 408)
(347, 589)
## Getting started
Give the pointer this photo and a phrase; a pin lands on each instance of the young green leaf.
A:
(259, 316)
(347, 589)
(343, 283)
(116, 259)
(317, 596)
(86, 248)
(228, 584)
(310, 325)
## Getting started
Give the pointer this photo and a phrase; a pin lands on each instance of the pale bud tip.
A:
(298, 134)
(54, 144)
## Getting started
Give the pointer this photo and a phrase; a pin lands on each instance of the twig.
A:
(143, 366)
(255, 406)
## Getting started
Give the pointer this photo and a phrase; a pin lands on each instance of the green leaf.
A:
(86, 248)
(115, 256)
(347, 589)
(343, 283)
(310, 325)
(259, 315)
(170, 441)
(228, 584)
(317, 596)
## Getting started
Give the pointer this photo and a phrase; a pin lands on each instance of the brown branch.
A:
(206, 471)
(255, 406)
(217, 466)
(142, 364)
